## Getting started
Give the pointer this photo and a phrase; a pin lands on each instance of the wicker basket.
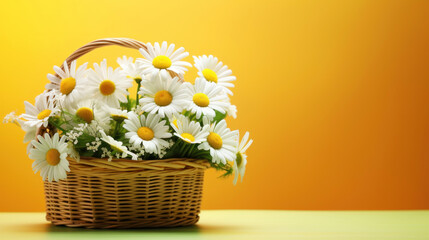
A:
(127, 194)
(124, 193)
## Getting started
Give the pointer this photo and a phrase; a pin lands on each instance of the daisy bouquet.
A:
(90, 113)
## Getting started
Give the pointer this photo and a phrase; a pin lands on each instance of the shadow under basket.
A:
(127, 194)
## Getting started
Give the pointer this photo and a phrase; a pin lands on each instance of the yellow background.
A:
(334, 93)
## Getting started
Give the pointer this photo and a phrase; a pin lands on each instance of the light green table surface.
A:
(242, 224)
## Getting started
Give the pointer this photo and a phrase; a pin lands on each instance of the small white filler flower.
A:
(117, 146)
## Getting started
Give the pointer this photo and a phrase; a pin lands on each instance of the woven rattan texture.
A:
(127, 194)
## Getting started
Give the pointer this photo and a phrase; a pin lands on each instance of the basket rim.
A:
(129, 165)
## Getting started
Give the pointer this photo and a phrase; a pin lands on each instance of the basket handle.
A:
(123, 42)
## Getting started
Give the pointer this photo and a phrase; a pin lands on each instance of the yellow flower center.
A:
(214, 140)
(118, 118)
(85, 114)
(43, 114)
(239, 159)
(175, 123)
(53, 157)
(201, 99)
(67, 85)
(145, 133)
(107, 87)
(161, 62)
(163, 98)
(188, 137)
(210, 75)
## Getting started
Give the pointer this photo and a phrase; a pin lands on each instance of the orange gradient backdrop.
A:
(334, 93)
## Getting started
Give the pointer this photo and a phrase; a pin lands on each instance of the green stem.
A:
(56, 125)
(186, 150)
(137, 93)
(190, 151)
(63, 130)
(115, 132)
(182, 150)
(128, 103)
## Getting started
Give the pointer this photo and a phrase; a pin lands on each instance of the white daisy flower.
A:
(39, 114)
(241, 160)
(222, 143)
(213, 70)
(148, 132)
(163, 95)
(206, 97)
(70, 83)
(161, 59)
(108, 85)
(116, 113)
(190, 131)
(89, 110)
(131, 69)
(117, 146)
(49, 155)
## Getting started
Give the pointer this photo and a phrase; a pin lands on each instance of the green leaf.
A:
(227, 168)
(86, 154)
(219, 116)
